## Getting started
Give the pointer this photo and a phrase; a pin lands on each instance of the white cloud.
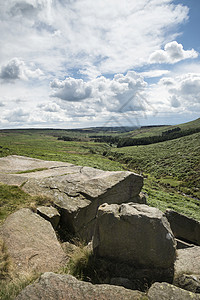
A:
(71, 89)
(180, 94)
(91, 36)
(172, 53)
(118, 94)
(50, 107)
(17, 69)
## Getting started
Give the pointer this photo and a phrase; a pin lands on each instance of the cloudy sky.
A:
(81, 63)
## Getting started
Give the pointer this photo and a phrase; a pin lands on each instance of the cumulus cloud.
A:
(122, 93)
(17, 69)
(71, 89)
(187, 87)
(172, 53)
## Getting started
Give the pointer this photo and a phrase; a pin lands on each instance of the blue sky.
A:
(82, 63)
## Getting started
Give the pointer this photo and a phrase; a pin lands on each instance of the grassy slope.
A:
(154, 131)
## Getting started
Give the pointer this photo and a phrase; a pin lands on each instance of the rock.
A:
(31, 242)
(189, 282)
(60, 287)
(183, 227)
(188, 261)
(76, 191)
(49, 213)
(166, 291)
(187, 269)
(136, 234)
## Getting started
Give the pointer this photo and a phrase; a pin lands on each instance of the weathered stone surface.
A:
(190, 282)
(166, 291)
(63, 287)
(188, 261)
(135, 234)
(187, 269)
(184, 227)
(77, 191)
(31, 242)
(49, 213)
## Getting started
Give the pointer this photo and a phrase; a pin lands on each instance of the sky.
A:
(83, 63)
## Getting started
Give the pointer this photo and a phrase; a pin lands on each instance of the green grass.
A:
(164, 198)
(13, 198)
(9, 289)
(175, 162)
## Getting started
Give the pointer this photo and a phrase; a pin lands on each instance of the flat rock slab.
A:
(135, 234)
(63, 287)
(31, 242)
(166, 291)
(77, 191)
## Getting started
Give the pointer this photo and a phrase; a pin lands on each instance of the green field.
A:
(171, 168)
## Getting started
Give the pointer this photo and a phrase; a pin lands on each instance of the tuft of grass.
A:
(13, 198)
(31, 171)
(9, 289)
(4, 261)
(80, 264)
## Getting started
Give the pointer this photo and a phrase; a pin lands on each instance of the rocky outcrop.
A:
(183, 227)
(31, 242)
(166, 291)
(49, 213)
(135, 234)
(76, 191)
(63, 287)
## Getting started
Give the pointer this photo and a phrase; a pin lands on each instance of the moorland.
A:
(170, 166)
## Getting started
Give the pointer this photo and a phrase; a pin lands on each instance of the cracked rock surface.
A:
(77, 191)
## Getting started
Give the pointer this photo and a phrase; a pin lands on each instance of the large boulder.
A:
(31, 242)
(165, 291)
(76, 191)
(183, 227)
(135, 234)
(60, 287)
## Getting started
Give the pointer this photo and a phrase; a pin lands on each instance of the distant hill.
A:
(146, 131)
